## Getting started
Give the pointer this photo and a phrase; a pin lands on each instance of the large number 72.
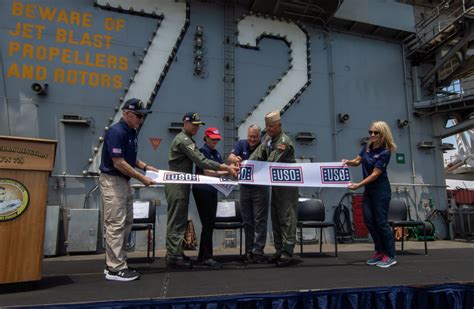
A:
(163, 47)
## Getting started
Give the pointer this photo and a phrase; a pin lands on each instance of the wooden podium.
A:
(25, 165)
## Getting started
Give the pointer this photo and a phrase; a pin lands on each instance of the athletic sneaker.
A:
(107, 269)
(376, 257)
(122, 275)
(386, 262)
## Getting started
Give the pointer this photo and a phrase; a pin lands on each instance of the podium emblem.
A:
(14, 199)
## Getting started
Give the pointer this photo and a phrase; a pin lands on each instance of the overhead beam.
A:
(352, 26)
(459, 128)
(459, 70)
(376, 29)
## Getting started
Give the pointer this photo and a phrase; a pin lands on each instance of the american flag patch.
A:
(117, 150)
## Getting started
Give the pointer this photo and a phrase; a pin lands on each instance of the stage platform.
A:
(80, 279)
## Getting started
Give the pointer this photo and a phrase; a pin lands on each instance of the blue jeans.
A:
(376, 201)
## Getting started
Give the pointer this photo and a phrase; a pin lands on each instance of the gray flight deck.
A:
(80, 279)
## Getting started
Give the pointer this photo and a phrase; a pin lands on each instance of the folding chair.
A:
(311, 213)
(144, 219)
(398, 216)
(231, 222)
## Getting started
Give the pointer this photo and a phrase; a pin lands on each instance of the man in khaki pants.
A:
(119, 160)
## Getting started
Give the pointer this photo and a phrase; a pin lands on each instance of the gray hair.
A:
(254, 126)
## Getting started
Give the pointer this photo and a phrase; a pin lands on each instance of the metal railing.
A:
(458, 89)
(439, 20)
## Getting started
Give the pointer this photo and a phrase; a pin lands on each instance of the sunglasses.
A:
(139, 116)
(374, 132)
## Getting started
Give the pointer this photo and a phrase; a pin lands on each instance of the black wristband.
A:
(144, 168)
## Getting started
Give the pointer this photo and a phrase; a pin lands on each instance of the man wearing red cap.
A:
(206, 198)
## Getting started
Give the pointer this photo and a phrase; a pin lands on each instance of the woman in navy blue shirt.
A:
(375, 157)
(206, 198)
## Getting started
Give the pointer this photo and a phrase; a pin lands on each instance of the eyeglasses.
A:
(374, 132)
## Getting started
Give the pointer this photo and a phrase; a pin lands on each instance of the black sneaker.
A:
(132, 269)
(248, 257)
(107, 270)
(179, 263)
(259, 259)
(285, 260)
(212, 263)
(275, 258)
(122, 275)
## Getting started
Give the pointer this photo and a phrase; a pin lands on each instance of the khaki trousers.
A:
(117, 199)
(284, 213)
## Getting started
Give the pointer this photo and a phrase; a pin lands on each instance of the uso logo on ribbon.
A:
(335, 174)
(180, 177)
(282, 174)
(246, 173)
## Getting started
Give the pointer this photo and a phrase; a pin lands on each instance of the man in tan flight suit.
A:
(183, 153)
(277, 147)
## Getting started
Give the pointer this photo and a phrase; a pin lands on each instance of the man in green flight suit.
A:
(183, 153)
(278, 147)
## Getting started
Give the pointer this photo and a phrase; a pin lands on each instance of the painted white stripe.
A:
(159, 51)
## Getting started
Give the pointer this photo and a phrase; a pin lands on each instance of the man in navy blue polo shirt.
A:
(253, 200)
(119, 160)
